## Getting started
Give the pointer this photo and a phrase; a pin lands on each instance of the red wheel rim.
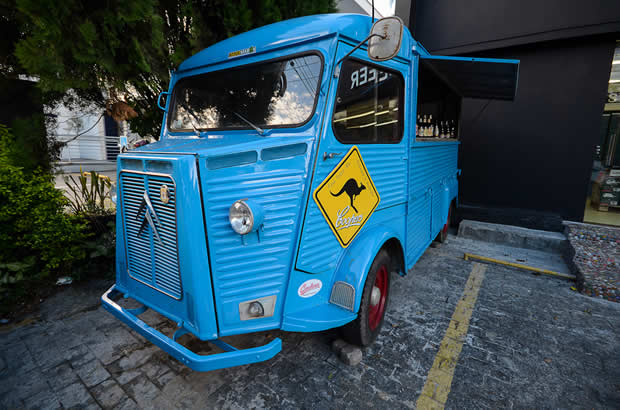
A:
(375, 313)
(445, 227)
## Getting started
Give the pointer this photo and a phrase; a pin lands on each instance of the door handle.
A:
(330, 155)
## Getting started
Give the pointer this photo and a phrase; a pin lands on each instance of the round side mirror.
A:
(386, 38)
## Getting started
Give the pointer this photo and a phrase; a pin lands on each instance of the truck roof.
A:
(285, 33)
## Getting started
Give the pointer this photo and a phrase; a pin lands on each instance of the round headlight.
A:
(241, 217)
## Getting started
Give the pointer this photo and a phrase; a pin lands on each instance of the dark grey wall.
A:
(456, 26)
(532, 157)
(536, 152)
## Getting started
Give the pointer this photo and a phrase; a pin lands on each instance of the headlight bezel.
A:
(236, 207)
(255, 213)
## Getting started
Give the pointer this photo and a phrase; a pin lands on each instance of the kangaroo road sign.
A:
(347, 197)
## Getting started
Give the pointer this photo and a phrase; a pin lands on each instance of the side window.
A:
(369, 104)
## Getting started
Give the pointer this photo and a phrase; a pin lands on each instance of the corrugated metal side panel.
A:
(387, 167)
(431, 164)
(248, 268)
(317, 250)
(436, 205)
(428, 167)
(418, 226)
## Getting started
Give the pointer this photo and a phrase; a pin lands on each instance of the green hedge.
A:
(38, 237)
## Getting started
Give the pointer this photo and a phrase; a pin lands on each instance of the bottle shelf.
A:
(436, 139)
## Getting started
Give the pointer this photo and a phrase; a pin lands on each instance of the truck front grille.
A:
(152, 255)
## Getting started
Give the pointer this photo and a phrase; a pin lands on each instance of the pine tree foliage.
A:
(122, 51)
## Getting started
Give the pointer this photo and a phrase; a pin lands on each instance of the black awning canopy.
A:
(485, 78)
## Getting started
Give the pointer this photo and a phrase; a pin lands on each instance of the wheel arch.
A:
(395, 249)
(449, 196)
(356, 261)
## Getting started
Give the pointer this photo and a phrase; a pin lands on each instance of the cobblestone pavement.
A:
(532, 342)
(597, 256)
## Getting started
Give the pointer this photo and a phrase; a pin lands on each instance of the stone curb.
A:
(569, 257)
(349, 354)
(514, 236)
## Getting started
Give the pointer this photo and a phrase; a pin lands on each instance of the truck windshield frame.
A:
(225, 110)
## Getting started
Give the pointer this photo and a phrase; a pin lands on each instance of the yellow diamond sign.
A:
(347, 197)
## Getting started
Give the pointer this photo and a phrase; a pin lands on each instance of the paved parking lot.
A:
(531, 342)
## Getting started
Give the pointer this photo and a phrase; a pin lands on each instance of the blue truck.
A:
(291, 182)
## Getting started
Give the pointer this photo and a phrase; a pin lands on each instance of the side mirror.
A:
(385, 38)
(161, 94)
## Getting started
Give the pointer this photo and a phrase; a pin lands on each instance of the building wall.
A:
(71, 122)
(350, 6)
(457, 27)
(528, 161)
(536, 152)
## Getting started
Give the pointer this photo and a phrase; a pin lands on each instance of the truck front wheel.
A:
(366, 327)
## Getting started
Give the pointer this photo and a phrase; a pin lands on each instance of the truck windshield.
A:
(277, 93)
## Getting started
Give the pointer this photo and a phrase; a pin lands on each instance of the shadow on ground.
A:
(532, 342)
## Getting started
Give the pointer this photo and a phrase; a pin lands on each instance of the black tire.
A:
(359, 332)
(442, 236)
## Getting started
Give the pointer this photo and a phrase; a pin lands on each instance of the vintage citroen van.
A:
(291, 182)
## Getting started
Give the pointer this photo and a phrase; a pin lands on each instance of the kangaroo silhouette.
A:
(351, 188)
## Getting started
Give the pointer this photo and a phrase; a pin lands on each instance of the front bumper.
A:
(230, 358)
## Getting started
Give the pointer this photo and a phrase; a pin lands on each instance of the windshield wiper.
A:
(242, 118)
(256, 127)
(189, 111)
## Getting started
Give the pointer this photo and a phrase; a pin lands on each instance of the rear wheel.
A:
(443, 234)
(366, 327)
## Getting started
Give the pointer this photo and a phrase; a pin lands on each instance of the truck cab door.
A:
(367, 109)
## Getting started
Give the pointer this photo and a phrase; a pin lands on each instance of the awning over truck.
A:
(486, 78)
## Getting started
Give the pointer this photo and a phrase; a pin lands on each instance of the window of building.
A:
(369, 104)
(603, 202)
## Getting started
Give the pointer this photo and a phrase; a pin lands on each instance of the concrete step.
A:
(553, 261)
(514, 236)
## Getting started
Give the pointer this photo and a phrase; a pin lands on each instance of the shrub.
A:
(86, 198)
(100, 249)
(92, 201)
(37, 236)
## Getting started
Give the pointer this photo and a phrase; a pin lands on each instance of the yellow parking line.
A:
(437, 387)
(469, 256)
